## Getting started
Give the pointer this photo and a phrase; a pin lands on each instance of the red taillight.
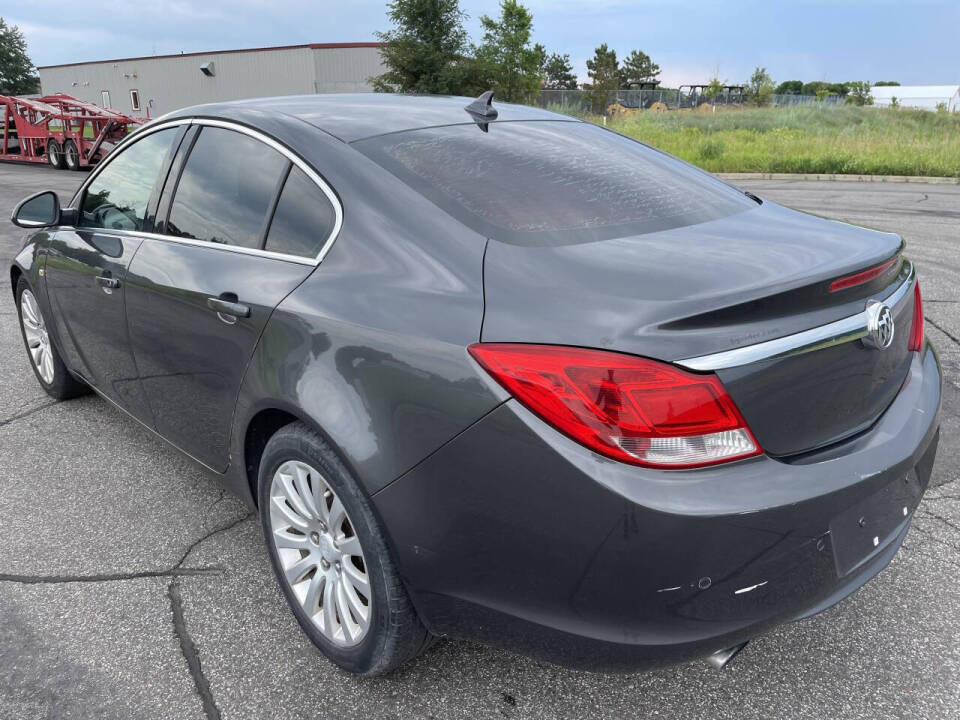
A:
(628, 408)
(862, 277)
(916, 330)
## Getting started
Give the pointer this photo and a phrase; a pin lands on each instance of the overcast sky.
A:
(913, 42)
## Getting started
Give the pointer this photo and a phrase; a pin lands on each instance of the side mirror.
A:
(41, 210)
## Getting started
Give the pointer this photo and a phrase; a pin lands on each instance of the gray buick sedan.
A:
(495, 373)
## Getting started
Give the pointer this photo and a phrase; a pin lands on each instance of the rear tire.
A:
(306, 545)
(48, 366)
(71, 155)
(55, 155)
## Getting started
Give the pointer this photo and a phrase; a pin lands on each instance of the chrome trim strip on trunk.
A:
(841, 331)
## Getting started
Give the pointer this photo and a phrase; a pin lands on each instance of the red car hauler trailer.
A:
(60, 130)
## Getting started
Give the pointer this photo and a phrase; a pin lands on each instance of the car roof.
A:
(356, 116)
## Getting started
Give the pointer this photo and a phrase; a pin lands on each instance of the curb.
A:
(917, 179)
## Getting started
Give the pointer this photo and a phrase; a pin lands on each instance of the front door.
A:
(87, 265)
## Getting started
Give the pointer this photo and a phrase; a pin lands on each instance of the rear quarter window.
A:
(303, 220)
(552, 182)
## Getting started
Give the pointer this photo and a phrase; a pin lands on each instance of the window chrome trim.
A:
(841, 331)
(257, 135)
(203, 244)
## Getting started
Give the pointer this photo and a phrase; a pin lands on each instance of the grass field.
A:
(809, 139)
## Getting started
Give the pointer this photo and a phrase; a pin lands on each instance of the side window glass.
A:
(303, 220)
(118, 196)
(226, 189)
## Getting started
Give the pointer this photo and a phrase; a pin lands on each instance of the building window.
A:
(105, 98)
(135, 99)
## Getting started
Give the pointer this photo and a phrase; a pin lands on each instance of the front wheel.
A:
(47, 364)
(331, 558)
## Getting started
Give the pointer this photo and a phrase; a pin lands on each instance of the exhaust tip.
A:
(721, 658)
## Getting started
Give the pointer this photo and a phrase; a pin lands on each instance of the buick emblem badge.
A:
(879, 326)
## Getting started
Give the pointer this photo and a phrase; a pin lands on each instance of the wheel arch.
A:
(263, 424)
(15, 274)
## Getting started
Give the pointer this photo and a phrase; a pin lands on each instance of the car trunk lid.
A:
(711, 287)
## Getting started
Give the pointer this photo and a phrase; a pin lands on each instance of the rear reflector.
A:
(631, 409)
(916, 330)
(863, 276)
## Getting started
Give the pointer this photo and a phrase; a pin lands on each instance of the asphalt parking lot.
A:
(131, 586)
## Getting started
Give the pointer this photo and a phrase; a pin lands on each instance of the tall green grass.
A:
(806, 139)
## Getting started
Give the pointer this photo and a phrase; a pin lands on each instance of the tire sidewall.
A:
(23, 286)
(70, 152)
(286, 445)
(64, 385)
(56, 160)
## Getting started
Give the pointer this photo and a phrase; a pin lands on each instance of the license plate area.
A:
(864, 529)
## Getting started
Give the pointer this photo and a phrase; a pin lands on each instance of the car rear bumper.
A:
(514, 535)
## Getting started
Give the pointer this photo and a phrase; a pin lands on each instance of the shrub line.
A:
(920, 179)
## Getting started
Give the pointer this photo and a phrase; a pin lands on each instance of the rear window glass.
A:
(542, 183)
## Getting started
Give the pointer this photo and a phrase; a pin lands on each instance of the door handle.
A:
(226, 307)
(107, 283)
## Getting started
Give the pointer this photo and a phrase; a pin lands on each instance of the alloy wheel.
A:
(38, 340)
(319, 553)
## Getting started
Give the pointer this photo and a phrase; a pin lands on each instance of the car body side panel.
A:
(29, 259)
(371, 348)
(91, 319)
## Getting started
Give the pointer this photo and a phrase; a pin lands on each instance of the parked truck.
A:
(60, 130)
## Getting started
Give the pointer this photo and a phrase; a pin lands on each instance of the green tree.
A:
(604, 73)
(886, 83)
(17, 74)
(860, 93)
(638, 68)
(822, 94)
(426, 51)
(813, 88)
(714, 89)
(505, 54)
(760, 87)
(558, 73)
(790, 87)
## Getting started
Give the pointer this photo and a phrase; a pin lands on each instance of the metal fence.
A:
(580, 102)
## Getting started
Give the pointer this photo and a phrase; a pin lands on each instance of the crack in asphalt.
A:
(107, 577)
(190, 653)
(27, 413)
(175, 571)
(187, 647)
(944, 561)
(934, 516)
(216, 531)
(950, 335)
(934, 538)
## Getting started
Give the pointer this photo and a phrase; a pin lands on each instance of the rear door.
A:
(232, 240)
(86, 270)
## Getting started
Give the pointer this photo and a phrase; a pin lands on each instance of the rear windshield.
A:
(552, 183)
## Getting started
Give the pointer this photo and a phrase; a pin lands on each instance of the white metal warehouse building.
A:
(926, 97)
(154, 85)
